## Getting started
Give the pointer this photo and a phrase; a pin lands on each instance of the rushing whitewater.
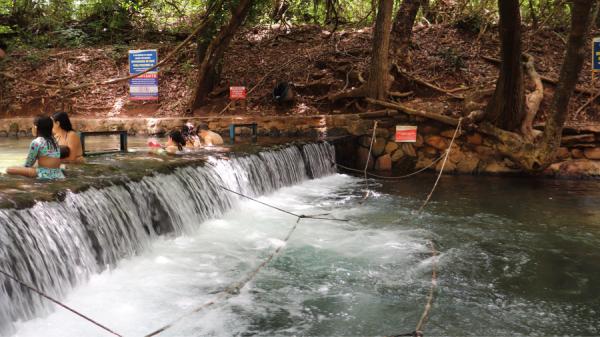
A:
(56, 246)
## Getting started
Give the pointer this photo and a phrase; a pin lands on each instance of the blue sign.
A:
(143, 87)
(596, 55)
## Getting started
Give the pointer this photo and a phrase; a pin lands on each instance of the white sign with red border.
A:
(406, 133)
(237, 93)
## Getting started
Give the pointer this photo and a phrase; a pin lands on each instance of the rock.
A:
(423, 162)
(496, 167)
(428, 130)
(468, 164)
(361, 159)
(437, 142)
(577, 153)
(429, 151)
(384, 163)
(381, 132)
(390, 147)
(397, 155)
(408, 149)
(420, 141)
(449, 134)
(474, 139)
(3, 133)
(485, 152)
(456, 155)
(378, 146)
(592, 153)
(563, 153)
(449, 167)
(576, 168)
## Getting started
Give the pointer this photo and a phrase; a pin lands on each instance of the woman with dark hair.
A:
(44, 150)
(175, 142)
(66, 136)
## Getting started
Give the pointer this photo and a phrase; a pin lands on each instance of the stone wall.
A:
(471, 153)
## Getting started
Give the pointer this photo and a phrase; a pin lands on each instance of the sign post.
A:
(595, 58)
(406, 134)
(143, 87)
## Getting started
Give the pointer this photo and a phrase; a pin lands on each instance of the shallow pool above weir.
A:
(517, 256)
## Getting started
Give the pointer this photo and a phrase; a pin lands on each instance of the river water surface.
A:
(517, 257)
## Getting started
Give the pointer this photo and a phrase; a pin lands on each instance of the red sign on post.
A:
(237, 93)
(406, 134)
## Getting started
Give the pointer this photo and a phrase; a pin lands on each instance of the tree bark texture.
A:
(208, 74)
(403, 26)
(379, 73)
(582, 18)
(505, 109)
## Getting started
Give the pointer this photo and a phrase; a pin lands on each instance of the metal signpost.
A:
(143, 87)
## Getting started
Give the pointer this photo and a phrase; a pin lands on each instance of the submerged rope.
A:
(429, 302)
(55, 301)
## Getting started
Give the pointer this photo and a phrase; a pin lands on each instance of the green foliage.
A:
(73, 23)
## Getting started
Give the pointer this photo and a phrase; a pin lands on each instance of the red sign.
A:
(406, 134)
(237, 93)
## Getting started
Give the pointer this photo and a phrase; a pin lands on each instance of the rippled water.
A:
(518, 257)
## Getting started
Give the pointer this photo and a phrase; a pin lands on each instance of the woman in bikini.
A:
(44, 150)
(67, 137)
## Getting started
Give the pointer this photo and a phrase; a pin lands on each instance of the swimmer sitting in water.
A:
(175, 143)
(44, 150)
(208, 137)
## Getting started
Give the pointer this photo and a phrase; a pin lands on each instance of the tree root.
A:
(413, 78)
(533, 100)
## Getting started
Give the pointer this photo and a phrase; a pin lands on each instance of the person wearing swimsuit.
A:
(44, 150)
(67, 137)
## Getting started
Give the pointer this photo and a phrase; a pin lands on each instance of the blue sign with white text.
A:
(143, 87)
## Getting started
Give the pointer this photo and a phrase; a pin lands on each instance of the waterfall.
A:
(55, 246)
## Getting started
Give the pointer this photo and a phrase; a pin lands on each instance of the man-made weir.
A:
(55, 246)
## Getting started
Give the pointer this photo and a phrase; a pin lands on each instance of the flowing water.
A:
(517, 256)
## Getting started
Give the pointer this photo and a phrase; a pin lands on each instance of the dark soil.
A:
(316, 62)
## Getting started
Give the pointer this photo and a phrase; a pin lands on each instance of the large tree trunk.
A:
(535, 157)
(379, 74)
(403, 26)
(582, 17)
(505, 109)
(209, 74)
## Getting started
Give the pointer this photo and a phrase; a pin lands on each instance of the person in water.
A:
(208, 137)
(67, 137)
(191, 138)
(175, 142)
(44, 150)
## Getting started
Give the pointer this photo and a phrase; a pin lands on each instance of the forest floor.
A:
(317, 62)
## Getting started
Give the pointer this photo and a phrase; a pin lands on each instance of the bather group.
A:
(56, 143)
